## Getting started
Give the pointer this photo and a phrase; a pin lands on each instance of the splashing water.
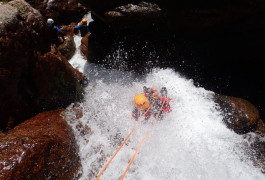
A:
(78, 61)
(190, 143)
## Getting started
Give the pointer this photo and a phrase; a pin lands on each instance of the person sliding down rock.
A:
(150, 102)
(56, 36)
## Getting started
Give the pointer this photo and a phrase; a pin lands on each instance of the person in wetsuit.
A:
(150, 102)
(56, 36)
(82, 27)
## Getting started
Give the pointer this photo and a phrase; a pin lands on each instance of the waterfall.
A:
(189, 143)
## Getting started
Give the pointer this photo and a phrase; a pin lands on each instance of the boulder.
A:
(62, 11)
(84, 47)
(139, 17)
(68, 30)
(67, 49)
(42, 147)
(22, 31)
(243, 118)
(239, 115)
(103, 4)
(57, 82)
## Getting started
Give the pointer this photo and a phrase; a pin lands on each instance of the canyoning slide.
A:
(153, 122)
(190, 143)
(191, 137)
(132, 90)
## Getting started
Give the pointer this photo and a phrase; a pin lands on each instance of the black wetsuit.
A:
(54, 32)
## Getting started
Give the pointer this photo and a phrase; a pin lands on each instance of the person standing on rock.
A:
(55, 33)
(82, 27)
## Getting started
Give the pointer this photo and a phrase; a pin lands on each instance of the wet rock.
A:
(63, 11)
(73, 114)
(22, 31)
(255, 147)
(57, 82)
(77, 109)
(133, 16)
(243, 118)
(104, 4)
(67, 49)
(68, 29)
(42, 147)
(239, 115)
(84, 47)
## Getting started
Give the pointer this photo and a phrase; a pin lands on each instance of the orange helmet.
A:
(84, 21)
(141, 102)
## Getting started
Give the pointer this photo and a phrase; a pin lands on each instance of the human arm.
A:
(60, 33)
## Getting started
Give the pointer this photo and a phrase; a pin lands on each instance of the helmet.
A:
(50, 21)
(84, 21)
(141, 102)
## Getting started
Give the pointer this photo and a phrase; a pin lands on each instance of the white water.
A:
(190, 143)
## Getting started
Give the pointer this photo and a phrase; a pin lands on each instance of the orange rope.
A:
(119, 148)
(112, 157)
(149, 108)
(134, 155)
(142, 142)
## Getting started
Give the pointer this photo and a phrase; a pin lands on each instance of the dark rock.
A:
(68, 30)
(188, 15)
(243, 118)
(103, 4)
(67, 49)
(255, 148)
(62, 11)
(239, 115)
(22, 31)
(57, 82)
(84, 47)
(139, 17)
(43, 147)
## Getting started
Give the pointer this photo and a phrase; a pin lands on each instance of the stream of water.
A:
(190, 143)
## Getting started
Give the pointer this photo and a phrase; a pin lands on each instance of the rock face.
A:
(26, 91)
(57, 82)
(67, 49)
(187, 15)
(243, 118)
(84, 47)
(40, 148)
(133, 16)
(240, 115)
(21, 33)
(63, 11)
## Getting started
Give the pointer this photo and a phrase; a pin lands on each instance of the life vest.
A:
(166, 107)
